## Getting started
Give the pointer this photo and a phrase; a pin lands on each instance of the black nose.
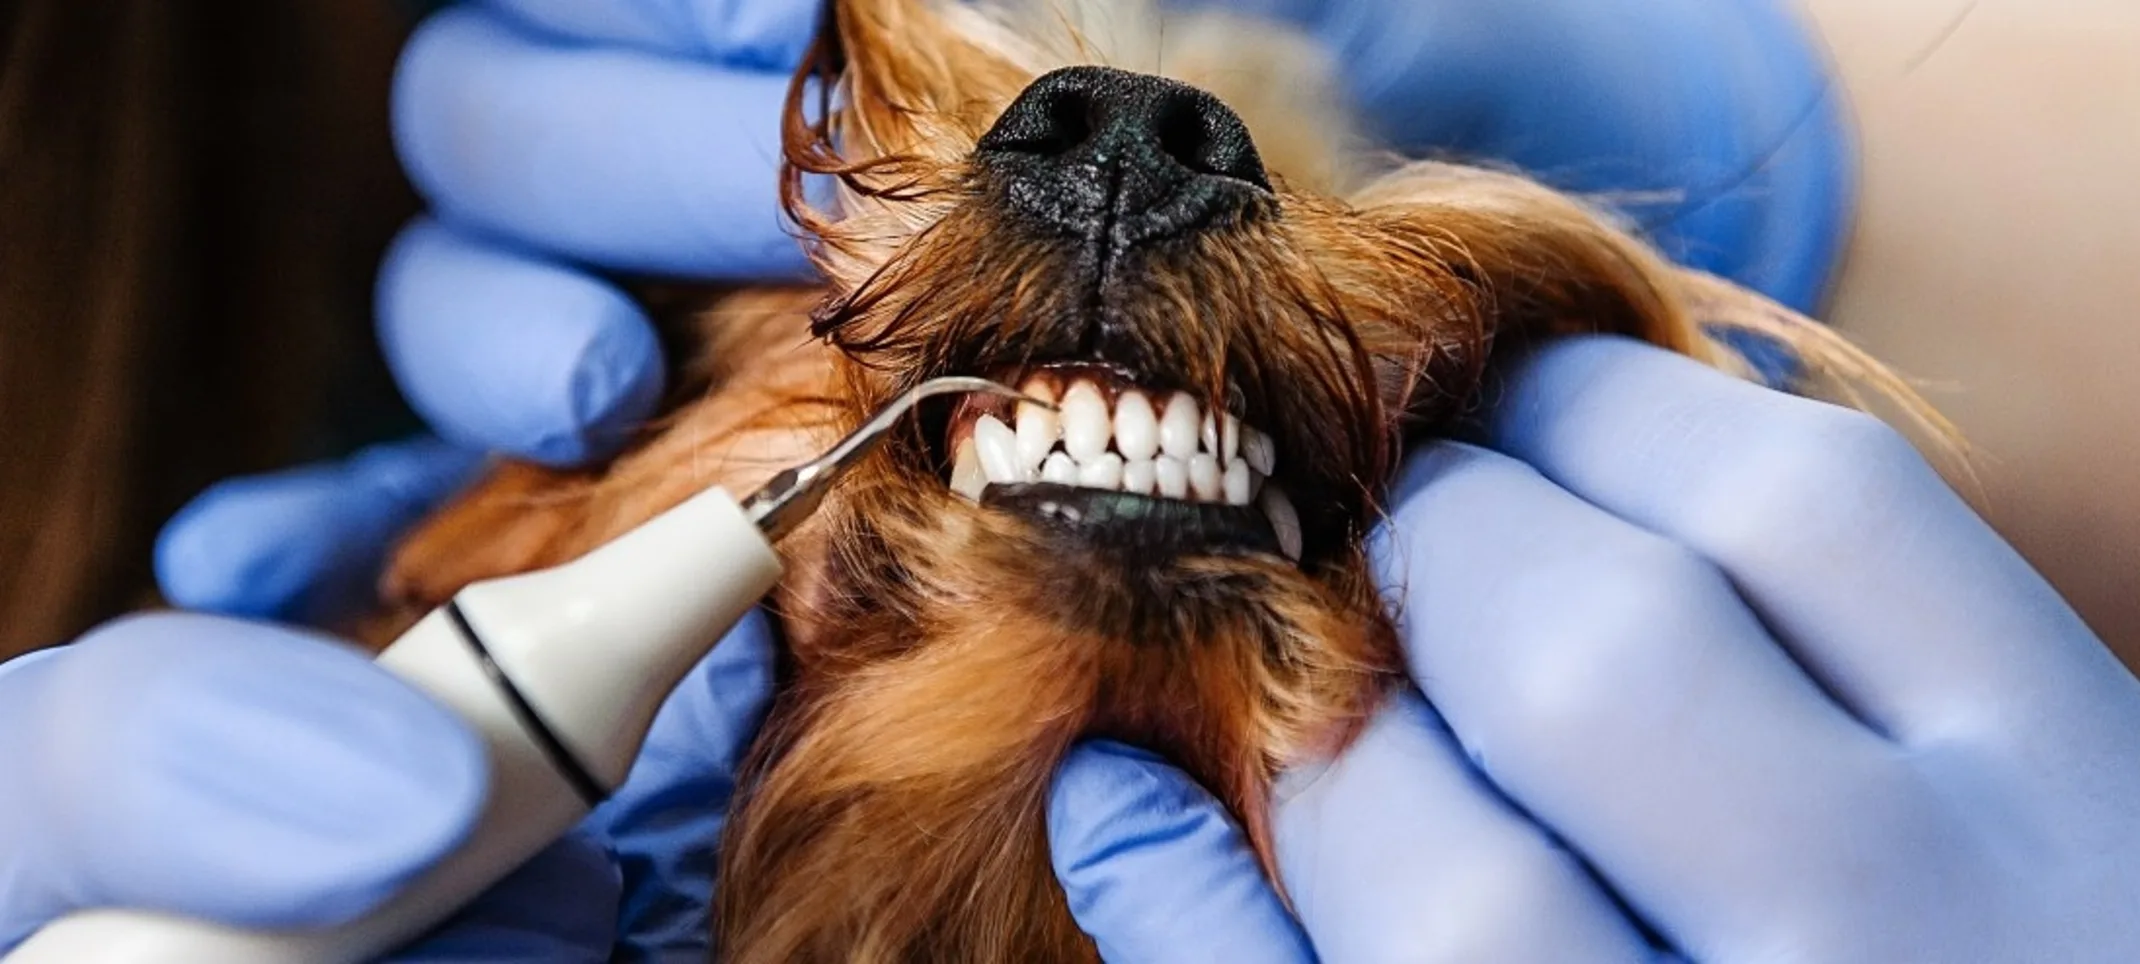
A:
(1101, 152)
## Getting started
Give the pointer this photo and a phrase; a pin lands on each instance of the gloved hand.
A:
(1714, 124)
(555, 139)
(262, 776)
(1713, 672)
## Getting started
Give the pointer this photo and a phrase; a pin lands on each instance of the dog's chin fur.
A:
(937, 671)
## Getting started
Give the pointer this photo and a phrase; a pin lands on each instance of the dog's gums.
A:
(1243, 321)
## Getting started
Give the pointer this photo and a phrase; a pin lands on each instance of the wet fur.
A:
(935, 670)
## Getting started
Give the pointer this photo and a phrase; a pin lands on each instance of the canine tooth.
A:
(1207, 433)
(1179, 428)
(1140, 477)
(1261, 452)
(1229, 439)
(1173, 477)
(1239, 487)
(1285, 520)
(998, 447)
(1104, 472)
(1038, 428)
(1086, 427)
(1204, 477)
(1136, 426)
(1059, 469)
(967, 479)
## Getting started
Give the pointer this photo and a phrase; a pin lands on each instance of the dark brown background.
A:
(193, 196)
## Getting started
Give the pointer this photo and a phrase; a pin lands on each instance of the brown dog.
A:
(1244, 320)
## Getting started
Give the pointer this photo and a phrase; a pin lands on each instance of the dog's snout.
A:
(1088, 149)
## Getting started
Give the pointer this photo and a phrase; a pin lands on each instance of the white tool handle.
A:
(592, 647)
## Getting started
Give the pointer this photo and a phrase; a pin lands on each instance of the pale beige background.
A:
(1998, 252)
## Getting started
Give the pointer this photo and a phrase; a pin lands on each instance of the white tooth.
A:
(1207, 434)
(1136, 426)
(1229, 439)
(1038, 428)
(1179, 427)
(1059, 469)
(1104, 472)
(1140, 477)
(1285, 521)
(998, 447)
(1261, 452)
(1237, 483)
(1204, 477)
(1086, 427)
(1173, 476)
(967, 479)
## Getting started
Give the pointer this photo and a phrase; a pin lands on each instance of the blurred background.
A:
(194, 198)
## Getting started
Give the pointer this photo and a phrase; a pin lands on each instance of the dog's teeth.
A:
(1173, 476)
(1237, 484)
(1038, 428)
(1104, 472)
(1136, 426)
(1207, 432)
(997, 446)
(1179, 427)
(1257, 448)
(1204, 477)
(1229, 439)
(1086, 427)
(1140, 477)
(1285, 521)
(967, 479)
(1059, 469)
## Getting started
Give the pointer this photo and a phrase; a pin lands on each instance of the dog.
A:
(1243, 314)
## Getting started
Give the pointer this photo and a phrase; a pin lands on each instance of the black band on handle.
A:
(568, 766)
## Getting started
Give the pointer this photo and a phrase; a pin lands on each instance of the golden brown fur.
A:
(937, 670)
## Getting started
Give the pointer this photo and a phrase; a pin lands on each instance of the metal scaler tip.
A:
(794, 494)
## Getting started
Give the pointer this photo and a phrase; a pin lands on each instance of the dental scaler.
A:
(561, 672)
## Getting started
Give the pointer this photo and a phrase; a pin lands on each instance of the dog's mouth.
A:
(1121, 464)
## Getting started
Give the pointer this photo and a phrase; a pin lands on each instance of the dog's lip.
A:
(1112, 378)
(1137, 524)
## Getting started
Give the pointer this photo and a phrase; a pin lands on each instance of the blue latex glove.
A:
(1724, 110)
(262, 776)
(1710, 663)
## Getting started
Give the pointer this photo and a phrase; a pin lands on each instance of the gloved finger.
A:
(1717, 125)
(506, 353)
(221, 770)
(1156, 871)
(616, 158)
(663, 827)
(560, 906)
(304, 544)
(1398, 850)
(1882, 582)
(768, 35)
(1613, 684)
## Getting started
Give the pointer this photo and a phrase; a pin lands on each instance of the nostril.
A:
(1045, 126)
(1205, 137)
